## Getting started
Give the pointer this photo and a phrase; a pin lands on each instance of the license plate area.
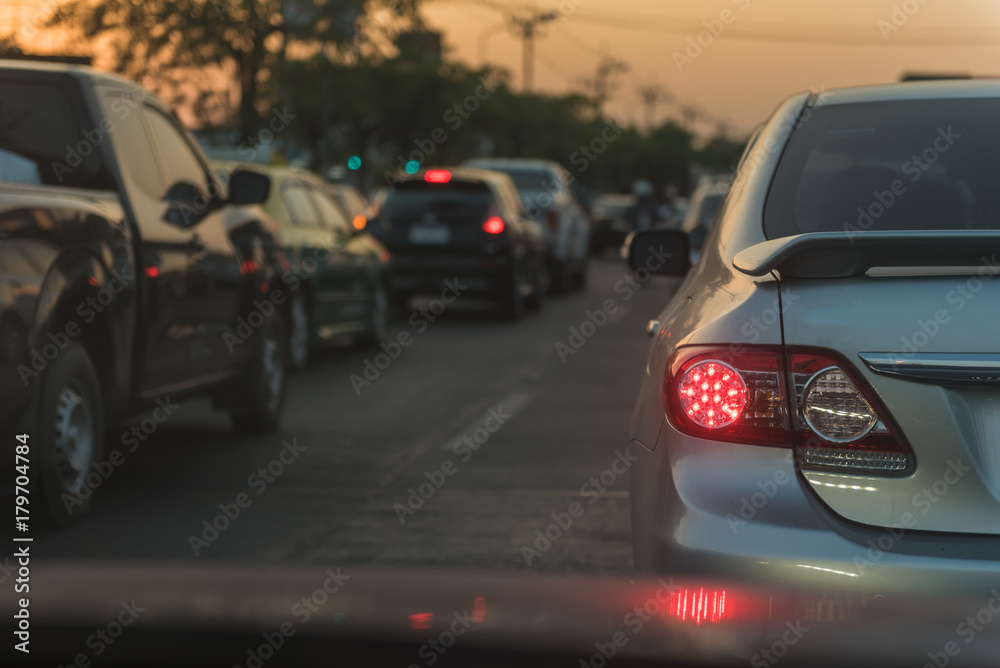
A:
(430, 234)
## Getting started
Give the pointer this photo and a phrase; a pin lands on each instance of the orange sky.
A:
(734, 80)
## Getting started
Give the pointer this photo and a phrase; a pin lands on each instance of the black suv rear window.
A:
(907, 165)
(456, 201)
(42, 141)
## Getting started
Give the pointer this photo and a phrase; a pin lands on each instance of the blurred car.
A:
(549, 199)
(352, 202)
(820, 400)
(611, 221)
(463, 228)
(706, 201)
(342, 271)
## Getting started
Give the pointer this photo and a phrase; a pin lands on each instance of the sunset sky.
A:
(765, 49)
(797, 45)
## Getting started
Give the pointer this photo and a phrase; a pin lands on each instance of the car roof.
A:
(274, 171)
(462, 174)
(63, 68)
(514, 163)
(911, 90)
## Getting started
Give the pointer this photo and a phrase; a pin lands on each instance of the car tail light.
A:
(757, 395)
(839, 421)
(494, 225)
(437, 176)
(552, 220)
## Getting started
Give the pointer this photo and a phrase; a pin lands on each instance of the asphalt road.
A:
(478, 435)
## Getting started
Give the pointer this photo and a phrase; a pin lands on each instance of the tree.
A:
(166, 41)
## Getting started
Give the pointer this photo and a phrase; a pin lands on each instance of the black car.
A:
(466, 226)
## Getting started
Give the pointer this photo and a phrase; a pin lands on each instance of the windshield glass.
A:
(906, 165)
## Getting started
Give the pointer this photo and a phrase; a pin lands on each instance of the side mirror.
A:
(661, 252)
(187, 205)
(247, 187)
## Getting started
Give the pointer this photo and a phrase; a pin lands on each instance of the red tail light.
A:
(812, 400)
(494, 225)
(437, 176)
(552, 220)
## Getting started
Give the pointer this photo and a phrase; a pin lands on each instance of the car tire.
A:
(69, 437)
(300, 332)
(260, 390)
(382, 307)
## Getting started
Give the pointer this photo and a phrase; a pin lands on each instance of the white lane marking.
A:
(509, 405)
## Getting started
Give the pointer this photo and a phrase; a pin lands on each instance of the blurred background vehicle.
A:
(549, 199)
(352, 202)
(611, 221)
(339, 275)
(468, 227)
(706, 201)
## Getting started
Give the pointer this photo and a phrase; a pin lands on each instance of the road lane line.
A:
(515, 401)
(510, 405)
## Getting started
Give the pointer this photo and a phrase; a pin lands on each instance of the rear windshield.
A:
(526, 179)
(908, 165)
(42, 142)
(454, 201)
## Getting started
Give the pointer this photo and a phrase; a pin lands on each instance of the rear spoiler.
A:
(844, 254)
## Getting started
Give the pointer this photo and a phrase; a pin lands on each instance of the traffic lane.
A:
(547, 490)
(355, 447)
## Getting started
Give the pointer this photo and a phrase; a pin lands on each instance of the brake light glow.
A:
(712, 394)
(437, 176)
(811, 400)
(552, 219)
(494, 225)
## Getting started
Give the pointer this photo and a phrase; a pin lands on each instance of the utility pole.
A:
(651, 94)
(525, 27)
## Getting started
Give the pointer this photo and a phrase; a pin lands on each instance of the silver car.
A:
(821, 402)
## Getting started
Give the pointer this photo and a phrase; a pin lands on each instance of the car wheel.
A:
(298, 337)
(69, 436)
(512, 302)
(381, 315)
(260, 391)
(541, 287)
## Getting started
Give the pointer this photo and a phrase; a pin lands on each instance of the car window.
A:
(300, 207)
(130, 136)
(177, 159)
(459, 201)
(40, 138)
(908, 165)
(534, 179)
(331, 216)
